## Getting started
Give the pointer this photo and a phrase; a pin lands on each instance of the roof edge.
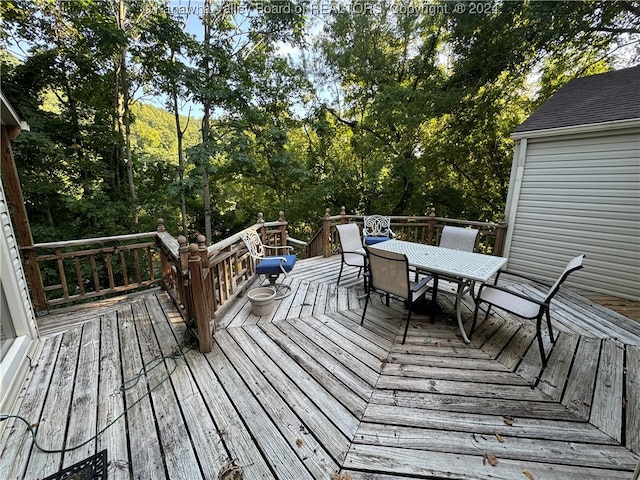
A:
(13, 117)
(576, 129)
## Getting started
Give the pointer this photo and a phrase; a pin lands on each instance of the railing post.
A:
(343, 214)
(431, 227)
(326, 237)
(261, 229)
(202, 250)
(501, 231)
(283, 229)
(198, 291)
(183, 251)
(164, 261)
(35, 281)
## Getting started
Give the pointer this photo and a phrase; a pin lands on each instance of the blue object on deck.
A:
(271, 266)
(276, 264)
(374, 240)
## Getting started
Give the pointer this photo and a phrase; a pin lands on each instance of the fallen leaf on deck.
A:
(341, 476)
(499, 437)
(438, 344)
(299, 442)
(528, 474)
(508, 420)
(489, 458)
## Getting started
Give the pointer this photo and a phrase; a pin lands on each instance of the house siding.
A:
(15, 365)
(580, 194)
(14, 254)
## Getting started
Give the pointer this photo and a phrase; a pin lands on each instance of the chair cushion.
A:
(374, 240)
(270, 265)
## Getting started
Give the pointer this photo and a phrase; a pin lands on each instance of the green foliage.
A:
(390, 111)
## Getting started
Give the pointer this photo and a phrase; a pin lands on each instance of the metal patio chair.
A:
(457, 238)
(522, 305)
(389, 274)
(377, 228)
(271, 266)
(351, 249)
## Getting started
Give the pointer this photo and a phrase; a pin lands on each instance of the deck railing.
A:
(422, 229)
(77, 270)
(218, 274)
(202, 280)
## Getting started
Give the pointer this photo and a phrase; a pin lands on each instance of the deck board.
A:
(307, 391)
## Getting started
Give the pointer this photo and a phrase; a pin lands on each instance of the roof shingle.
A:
(589, 100)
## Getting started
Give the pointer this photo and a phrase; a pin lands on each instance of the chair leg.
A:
(475, 317)
(340, 274)
(540, 344)
(434, 299)
(549, 325)
(406, 327)
(364, 311)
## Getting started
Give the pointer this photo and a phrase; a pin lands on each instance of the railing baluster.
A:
(94, 269)
(152, 276)
(63, 277)
(79, 276)
(123, 263)
(112, 283)
(136, 259)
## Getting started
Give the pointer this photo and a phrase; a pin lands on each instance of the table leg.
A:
(461, 288)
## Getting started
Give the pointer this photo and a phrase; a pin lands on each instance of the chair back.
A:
(350, 239)
(376, 226)
(253, 243)
(389, 272)
(458, 238)
(572, 266)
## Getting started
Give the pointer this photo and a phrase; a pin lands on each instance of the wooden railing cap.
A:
(194, 252)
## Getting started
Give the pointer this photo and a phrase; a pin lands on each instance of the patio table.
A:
(461, 267)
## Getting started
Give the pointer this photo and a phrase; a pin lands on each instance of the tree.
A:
(65, 87)
(231, 42)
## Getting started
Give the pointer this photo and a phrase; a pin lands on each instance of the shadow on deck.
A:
(308, 393)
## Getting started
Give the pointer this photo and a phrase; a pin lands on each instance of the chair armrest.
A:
(282, 247)
(419, 285)
(511, 292)
(521, 275)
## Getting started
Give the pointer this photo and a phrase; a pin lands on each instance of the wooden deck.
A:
(308, 393)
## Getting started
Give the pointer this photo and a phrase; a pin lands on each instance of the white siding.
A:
(14, 365)
(580, 194)
(16, 266)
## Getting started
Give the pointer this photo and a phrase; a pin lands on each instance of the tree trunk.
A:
(125, 115)
(180, 135)
(206, 124)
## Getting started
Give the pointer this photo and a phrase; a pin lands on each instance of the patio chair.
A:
(271, 266)
(458, 238)
(455, 238)
(352, 253)
(523, 305)
(377, 229)
(389, 274)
